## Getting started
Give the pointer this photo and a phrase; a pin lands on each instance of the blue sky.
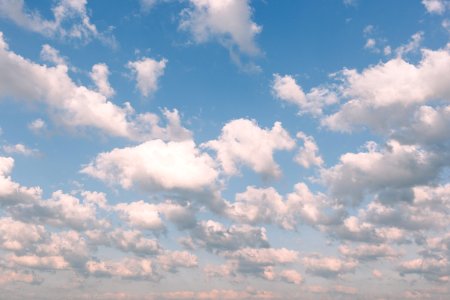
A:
(224, 149)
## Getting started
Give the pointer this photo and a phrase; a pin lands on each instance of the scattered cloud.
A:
(435, 6)
(286, 89)
(147, 72)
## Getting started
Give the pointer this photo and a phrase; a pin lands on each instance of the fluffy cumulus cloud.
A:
(308, 155)
(156, 166)
(11, 191)
(99, 75)
(435, 6)
(148, 216)
(76, 106)
(147, 72)
(243, 142)
(267, 206)
(327, 267)
(50, 54)
(286, 89)
(383, 96)
(19, 149)
(397, 166)
(227, 21)
(17, 236)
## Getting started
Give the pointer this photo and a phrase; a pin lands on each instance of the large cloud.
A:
(147, 216)
(382, 97)
(396, 166)
(267, 206)
(76, 106)
(156, 166)
(243, 142)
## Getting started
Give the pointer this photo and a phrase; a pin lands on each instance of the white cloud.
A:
(76, 106)
(64, 12)
(147, 72)
(266, 206)
(350, 2)
(412, 46)
(435, 6)
(19, 149)
(367, 252)
(37, 125)
(382, 97)
(328, 267)
(243, 142)
(140, 214)
(256, 206)
(370, 43)
(50, 54)
(396, 166)
(155, 166)
(311, 208)
(446, 24)
(435, 269)
(125, 240)
(264, 256)
(68, 245)
(228, 21)
(127, 268)
(133, 241)
(217, 294)
(215, 236)
(377, 274)
(11, 192)
(96, 198)
(147, 5)
(172, 260)
(61, 210)
(9, 276)
(18, 236)
(70, 104)
(39, 262)
(291, 276)
(308, 155)
(286, 89)
(99, 75)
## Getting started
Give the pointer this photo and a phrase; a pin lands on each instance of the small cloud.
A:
(37, 126)
(19, 149)
(147, 72)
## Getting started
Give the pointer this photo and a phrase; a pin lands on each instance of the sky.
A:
(225, 149)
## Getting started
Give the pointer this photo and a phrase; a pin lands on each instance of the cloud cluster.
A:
(76, 106)
(70, 20)
(243, 142)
